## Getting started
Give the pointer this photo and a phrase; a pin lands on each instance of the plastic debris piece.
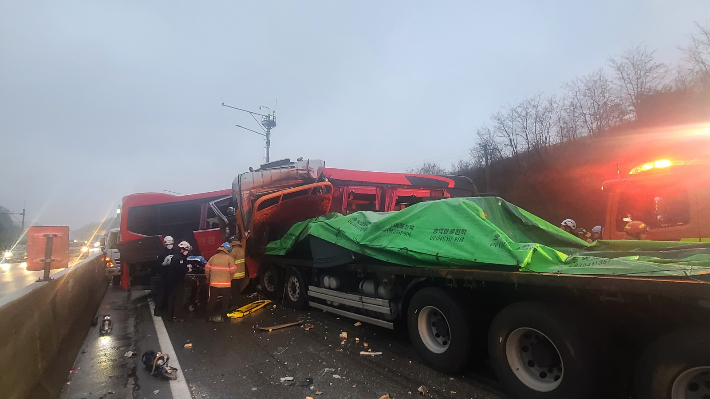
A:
(188, 345)
(156, 391)
(423, 390)
(309, 397)
(328, 370)
(453, 392)
(129, 354)
(344, 335)
(319, 393)
(357, 339)
(370, 353)
(365, 344)
(74, 371)
(254, 389)
(385, 396)
(283, 379)
(358, 324)
(305, 382)
(280, 326)
(337, 377)
(308, 327)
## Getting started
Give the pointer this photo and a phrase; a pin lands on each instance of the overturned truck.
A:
(475, 278)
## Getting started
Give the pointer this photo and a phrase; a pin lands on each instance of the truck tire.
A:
(676, 366)
(294, 289)
(440, 329)
(270, 281)
(537, 353)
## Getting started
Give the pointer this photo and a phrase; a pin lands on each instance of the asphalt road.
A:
(14, 276)
(236, 359)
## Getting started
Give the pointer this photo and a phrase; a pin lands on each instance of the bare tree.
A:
(487, 145)
(430, 168)
(697, 54)
(637, 75)
(594, 97)
(504, 124)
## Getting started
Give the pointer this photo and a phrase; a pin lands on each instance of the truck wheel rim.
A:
(294, 288)
(269, 283)
(692, 384)
(434, 329)
(534, 359)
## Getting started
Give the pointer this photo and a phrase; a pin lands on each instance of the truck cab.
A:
(112, 256)
(671, 197)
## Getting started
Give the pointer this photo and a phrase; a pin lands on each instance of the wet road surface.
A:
(14, 276)
(237, 360)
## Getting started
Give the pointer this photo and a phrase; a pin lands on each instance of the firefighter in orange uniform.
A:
(240, 279)
(219, 271)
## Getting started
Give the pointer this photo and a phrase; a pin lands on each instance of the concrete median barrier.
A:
(42, 327)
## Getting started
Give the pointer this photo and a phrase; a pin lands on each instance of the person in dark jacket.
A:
(176, 282)
(164, 258)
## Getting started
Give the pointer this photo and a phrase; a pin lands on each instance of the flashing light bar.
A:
(663, 163)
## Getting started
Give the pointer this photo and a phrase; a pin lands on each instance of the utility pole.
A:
(268, 122)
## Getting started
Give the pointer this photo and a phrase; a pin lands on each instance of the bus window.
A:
(143, 220)
(179, 216)
(657, 208)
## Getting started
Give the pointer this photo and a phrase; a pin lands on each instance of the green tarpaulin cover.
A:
(490, 233)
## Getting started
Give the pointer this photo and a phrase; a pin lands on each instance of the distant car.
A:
(112, 256)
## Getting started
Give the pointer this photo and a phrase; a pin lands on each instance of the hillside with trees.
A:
(550, 154)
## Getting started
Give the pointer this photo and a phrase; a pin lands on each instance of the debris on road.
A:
(344, 335)
(188, 345)
(246, 309)
(156, 391)
(74, 371)
(284, 379)
(319, 393)
(280, 326)
(358, 324)
(157, 362)
(453, 392)
(385, 396)
(281, 350)
(357, 339)
(106, 325)
(305, 382)
(129, 354)
(370, 353)
(423, 390)
(308, 327)
(365, 344)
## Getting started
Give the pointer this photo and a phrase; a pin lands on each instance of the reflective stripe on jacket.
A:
(219, 270)
(238, 255)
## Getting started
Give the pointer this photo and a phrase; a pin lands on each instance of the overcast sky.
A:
(99, 99)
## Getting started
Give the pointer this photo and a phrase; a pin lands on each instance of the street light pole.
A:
(268, 122)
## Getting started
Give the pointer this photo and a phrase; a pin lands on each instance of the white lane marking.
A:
(177, 387)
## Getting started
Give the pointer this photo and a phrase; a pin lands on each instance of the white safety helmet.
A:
(597, 229)
(168, 240)
(185, 245)
(569, 223)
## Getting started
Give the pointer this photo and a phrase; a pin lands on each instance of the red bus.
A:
(147, 217)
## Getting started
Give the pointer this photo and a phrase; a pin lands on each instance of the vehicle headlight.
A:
(7, 254)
